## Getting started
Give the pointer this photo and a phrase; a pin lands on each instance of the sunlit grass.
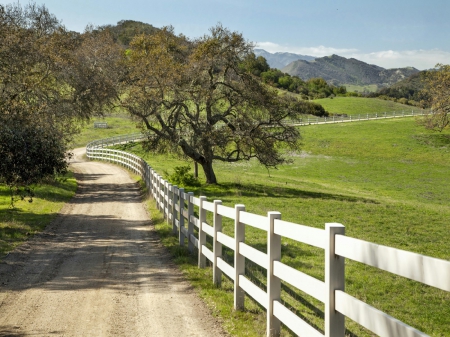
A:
(26, 219)
(361, 105)
(386, 181)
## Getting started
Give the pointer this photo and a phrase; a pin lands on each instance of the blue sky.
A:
(395, 33)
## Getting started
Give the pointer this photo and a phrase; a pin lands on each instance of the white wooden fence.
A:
(357, 118)
(178, 208)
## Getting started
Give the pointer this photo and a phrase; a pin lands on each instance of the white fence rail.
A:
(178, 208)
(356, 118)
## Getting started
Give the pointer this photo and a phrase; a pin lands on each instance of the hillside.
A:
(281, 60)
(340, 70)
(125, 30)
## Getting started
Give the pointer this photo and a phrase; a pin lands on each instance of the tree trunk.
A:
(195, 170)
(209, 172)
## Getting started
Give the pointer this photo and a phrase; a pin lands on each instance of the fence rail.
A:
(178, 209)
(355, 118)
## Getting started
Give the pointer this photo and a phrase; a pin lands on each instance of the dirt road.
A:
(98, 270)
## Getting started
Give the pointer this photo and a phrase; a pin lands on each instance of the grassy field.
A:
(386, 181)
(361, 88)
(26, 219)
(118, 124)
(360, 105)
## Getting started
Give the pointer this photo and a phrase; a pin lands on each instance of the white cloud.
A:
(420, 59)
(313, 51)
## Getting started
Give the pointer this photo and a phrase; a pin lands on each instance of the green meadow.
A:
(361, 105)
(385, 180)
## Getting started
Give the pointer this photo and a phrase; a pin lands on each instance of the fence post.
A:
(171, 212)
(180, 215)
(334, 280)
(159, 194)
(190, 224)
(217, 246)
(239, 260)
(201, 234)
(273, 282)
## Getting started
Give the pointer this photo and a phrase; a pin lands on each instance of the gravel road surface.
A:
(99, 270)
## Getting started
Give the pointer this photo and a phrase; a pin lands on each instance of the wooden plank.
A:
(421, 268)
(177, 207)
(225, 267)
(208, 253)
(195, 221)
(209, 206)
(309, 235)
(184, 231)
(254, 220)
(253, 254)
(301, 281)
(185, 213)
(195, 201)
(228, 212)
(257, 293)
(226, 240)
(293, 322)
(208, 229)
(194, 240)
(373, 319)
(177, 223)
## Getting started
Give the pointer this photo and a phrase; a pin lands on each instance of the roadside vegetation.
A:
(25, 219)
(384, 180)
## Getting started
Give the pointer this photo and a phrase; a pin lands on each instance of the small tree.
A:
(195, 98)
(438, 92)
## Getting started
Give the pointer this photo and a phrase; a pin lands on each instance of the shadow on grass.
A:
(263, 191)
(436, 140)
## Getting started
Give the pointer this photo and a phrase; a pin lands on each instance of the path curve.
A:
(99, 270)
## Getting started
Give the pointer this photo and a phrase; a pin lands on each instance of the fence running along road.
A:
(179, 209)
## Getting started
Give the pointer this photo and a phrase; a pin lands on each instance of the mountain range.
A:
(339, 70)
(335, 69)
(280, 60)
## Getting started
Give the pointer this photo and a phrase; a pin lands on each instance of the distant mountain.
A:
(339, 70)
(281, 60)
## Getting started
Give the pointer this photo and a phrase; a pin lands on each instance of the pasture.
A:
(360, 105)
(384, 180)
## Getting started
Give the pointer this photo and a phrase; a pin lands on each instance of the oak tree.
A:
(196, 99)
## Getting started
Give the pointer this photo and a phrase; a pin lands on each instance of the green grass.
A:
(360, 105)
(361, 88)
(117, 125)
(26, 219)
(386, 181)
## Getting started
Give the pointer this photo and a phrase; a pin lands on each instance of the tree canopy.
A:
(437, 91)
(196, 98)
(49, 77)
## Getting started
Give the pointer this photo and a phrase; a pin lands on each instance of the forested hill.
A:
(340, 70)
(125, 30)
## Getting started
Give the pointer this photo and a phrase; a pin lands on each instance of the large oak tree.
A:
(196, 99)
